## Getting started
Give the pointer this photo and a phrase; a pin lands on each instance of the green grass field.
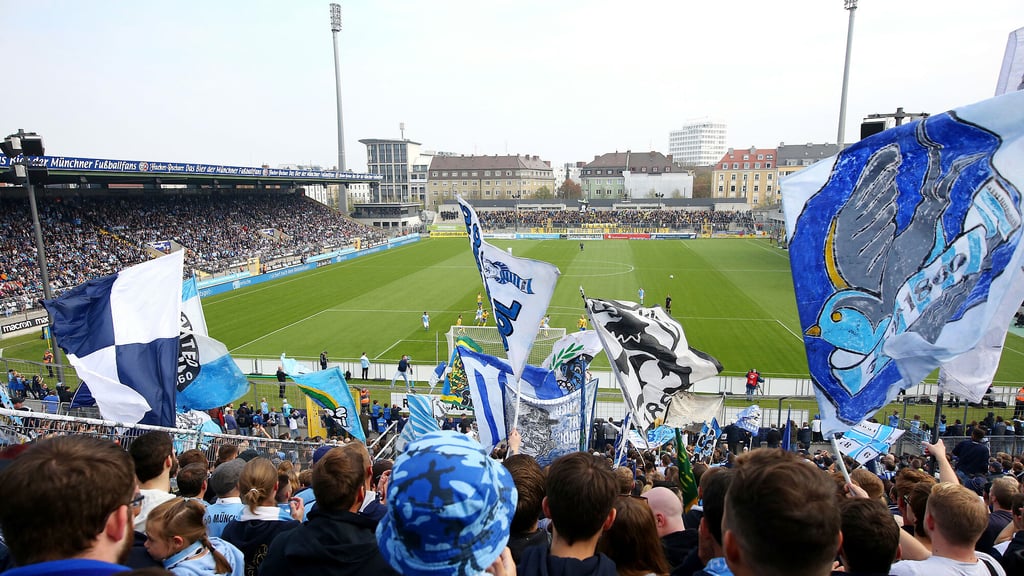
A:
(733, 297)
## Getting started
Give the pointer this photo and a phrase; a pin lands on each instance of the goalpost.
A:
(489, 340)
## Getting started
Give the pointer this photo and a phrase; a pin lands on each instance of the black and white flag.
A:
(649, 355)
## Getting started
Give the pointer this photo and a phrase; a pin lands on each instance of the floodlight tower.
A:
(335, 28)
(851, 6)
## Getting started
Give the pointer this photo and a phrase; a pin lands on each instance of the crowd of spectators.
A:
(446, 507)
(88, 237)
(675, 219)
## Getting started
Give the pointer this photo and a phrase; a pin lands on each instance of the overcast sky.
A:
(252, 82)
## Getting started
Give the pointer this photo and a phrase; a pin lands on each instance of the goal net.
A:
(489, 341)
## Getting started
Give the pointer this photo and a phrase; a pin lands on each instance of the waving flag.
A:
(121, 333)
(437, 375)
(649, 355)
(207, 375)
(552, 427)
(421, 418)
(549, 425)
(867, 440)
(330, 391)
(688, 409)
(787, 431)
(536, 382)
(456, 388)
(706, 442)
(519, 290)
(291, 367)
(687, 480)
(750, 419)
(906, 256)
(571, 356)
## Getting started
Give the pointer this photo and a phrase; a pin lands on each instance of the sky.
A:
(252, 82)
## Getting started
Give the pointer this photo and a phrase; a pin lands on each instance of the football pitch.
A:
(733, 297)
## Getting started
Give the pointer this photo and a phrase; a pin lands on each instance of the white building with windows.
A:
(698, 143)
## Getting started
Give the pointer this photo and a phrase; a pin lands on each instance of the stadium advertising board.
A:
(673, 235)
(12, 327)
(627, 236)
(534, 236)
(102, 165)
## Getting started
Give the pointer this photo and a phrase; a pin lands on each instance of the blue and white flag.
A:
(750, 419)
(571, 356)
(292, 367)
(549, 428)
(329, 390)
(649, 356)
(207, 375)
(192, 317)
(704, 449)
(787, 431)
(519, 290)
(622, 442)
(906, 256)
(535, 383)
(549, 425)
(867, 440)
(437, 375)
(657, 437)
(421, 418)
(122, 334)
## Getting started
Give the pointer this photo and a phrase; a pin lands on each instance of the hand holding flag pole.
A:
(839, 459)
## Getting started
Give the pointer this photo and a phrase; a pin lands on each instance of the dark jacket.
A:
(537, 561)
(519, 542)
(677, 546)
(329, 543)
(1013, 559)
(253, 538)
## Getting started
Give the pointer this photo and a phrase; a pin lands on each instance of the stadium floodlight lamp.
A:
(335, 17)
(27, 143)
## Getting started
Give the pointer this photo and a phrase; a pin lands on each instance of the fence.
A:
(17, 427)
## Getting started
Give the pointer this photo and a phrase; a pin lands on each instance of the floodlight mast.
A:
(25, 150)
(335, 28)
(851, 6)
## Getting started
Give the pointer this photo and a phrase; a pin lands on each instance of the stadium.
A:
(280, 272)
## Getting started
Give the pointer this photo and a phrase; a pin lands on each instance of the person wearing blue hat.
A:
(450, 509)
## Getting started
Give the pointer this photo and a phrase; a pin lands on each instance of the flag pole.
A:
(839, 459)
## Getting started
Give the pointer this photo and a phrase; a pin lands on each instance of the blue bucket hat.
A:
(450, 508)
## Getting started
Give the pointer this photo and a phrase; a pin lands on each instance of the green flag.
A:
(686, 480)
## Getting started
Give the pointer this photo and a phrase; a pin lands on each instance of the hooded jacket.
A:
(330, 543)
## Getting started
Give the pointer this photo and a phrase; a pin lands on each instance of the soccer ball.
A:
(671, 275)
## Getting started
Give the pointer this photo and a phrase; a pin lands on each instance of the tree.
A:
(570, 190)
(542, 193)
(702, 182)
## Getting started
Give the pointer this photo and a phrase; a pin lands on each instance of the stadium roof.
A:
(74, 170)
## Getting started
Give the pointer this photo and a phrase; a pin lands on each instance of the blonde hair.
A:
(184, 517)
(960, 514)
(257, 483)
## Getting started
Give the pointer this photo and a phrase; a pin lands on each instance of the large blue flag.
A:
(121, 333)
(787, 431)
(906, 256)
(330, 391)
